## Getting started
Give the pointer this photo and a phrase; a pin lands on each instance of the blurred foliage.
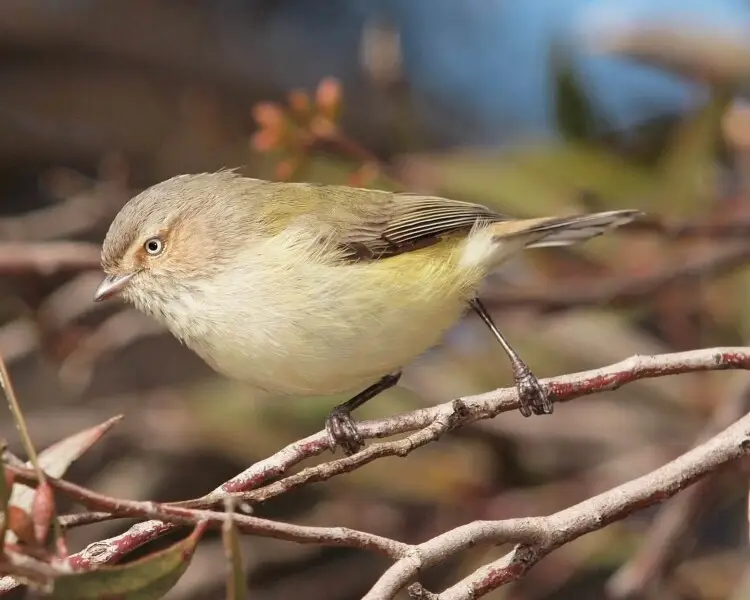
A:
(576, 118)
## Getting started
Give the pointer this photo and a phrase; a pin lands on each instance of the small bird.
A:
(308, 289)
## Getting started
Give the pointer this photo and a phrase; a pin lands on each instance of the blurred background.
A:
(532, 107)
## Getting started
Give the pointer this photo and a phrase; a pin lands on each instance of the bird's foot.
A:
(342, 431)
(532, 394)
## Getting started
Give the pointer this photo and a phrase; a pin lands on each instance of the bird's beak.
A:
(111, 286)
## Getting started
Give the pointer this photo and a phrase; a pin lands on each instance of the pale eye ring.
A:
(153, 246)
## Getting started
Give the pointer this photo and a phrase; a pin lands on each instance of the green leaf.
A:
(146, 579)
(575, 116)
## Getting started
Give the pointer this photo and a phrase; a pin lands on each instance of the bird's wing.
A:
(371, 224)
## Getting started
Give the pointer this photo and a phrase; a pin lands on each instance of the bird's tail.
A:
(563, 231)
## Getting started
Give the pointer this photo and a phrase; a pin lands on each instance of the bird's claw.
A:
(342, 432)
(532, 394)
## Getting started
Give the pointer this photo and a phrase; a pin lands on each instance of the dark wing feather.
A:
(411, 221)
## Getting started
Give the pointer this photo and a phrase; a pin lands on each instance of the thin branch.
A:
(441, 423)
(666, 537)
(535, 536)
(478, 407)
(539, 536)
(86, 518)
(483, 406)
(47, 258)
(178, 515)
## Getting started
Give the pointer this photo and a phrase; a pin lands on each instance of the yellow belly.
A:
(330, 328)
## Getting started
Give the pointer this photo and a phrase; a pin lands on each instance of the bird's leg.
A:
(339, 423)
(533, 396)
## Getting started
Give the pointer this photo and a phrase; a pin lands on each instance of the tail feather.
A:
(564, 231)
(511, 236)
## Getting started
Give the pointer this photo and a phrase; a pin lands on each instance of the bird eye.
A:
(153, 246)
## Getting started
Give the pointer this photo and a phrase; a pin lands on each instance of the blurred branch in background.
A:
(535, 537)
(621, 291)
(48, 258)
(668, 538)
(84, 203)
